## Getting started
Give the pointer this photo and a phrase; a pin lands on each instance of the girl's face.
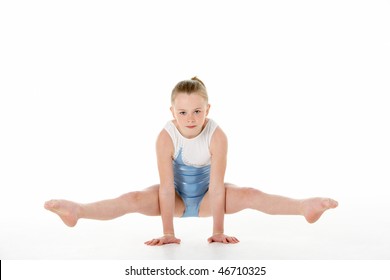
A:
(190, 112)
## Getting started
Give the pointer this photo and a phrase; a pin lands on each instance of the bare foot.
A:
(67, 210)
(313, 208)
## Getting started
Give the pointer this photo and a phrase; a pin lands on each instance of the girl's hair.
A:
(194, 85)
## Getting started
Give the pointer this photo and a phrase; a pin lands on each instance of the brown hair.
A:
(194, 85)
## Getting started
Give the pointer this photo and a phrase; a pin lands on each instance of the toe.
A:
(330, 203)
(48, 204)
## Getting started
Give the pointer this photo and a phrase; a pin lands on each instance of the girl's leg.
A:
(238, 199)
(145, 202)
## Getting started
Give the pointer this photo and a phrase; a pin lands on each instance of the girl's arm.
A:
(218, 148)
(164, 150)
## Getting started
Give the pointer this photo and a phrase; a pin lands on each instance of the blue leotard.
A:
(191, 166)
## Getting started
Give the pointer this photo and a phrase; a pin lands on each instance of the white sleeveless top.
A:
(195, 151)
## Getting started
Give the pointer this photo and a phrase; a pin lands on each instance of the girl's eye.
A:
(198, 112)
(182, 113)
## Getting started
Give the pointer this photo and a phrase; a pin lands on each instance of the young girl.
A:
(191, 157)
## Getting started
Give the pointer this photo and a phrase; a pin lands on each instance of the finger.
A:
(149, 243)
(232, 240)
(212, 240)
(154, 242)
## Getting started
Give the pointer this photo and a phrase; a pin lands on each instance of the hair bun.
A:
(195, 78)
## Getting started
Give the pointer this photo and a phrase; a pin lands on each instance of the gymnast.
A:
(191, 157)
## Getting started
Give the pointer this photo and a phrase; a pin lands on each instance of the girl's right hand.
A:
(166, 239)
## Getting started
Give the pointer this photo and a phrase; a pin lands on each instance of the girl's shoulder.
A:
(163, 138)
(164, 144)
(218, 135)
(219, 146)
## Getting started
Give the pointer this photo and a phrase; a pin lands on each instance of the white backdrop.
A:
(301, 88)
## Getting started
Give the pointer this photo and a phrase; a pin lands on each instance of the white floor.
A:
(345, 233)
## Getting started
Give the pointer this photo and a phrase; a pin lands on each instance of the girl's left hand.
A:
(222, 238)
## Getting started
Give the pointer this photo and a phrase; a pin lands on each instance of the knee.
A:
(248, 191)
(251, 197)
(131, 197)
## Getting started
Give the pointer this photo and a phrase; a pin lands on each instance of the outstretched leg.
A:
(145, 202)
(238, 199)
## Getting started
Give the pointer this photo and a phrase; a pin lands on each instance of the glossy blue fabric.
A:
(191, 183)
